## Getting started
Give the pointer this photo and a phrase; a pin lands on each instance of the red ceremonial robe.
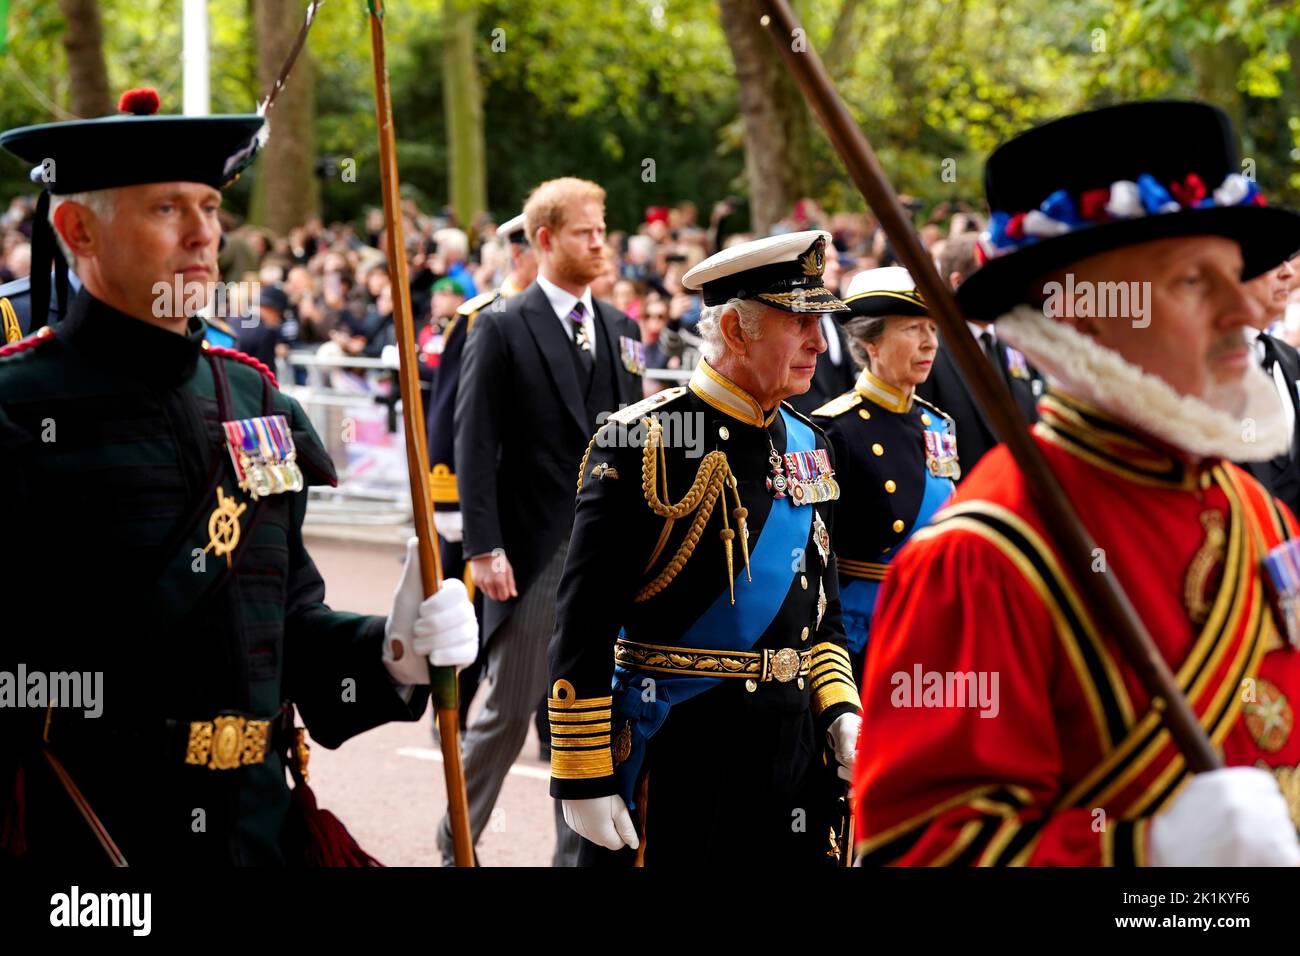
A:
(999, 726)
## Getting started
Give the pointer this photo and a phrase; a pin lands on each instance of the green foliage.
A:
(594, 88)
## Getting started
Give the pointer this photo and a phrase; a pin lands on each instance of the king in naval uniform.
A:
(700, 677)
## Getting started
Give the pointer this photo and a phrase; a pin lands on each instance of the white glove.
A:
(1231, 817)
(602, 820)
(449, 525)
(439, 630)
(842, 738)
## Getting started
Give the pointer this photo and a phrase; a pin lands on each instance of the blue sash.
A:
(723, 627)
(857, 596)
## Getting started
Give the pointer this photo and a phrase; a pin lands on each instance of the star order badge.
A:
(822, 538)
(1269, 718)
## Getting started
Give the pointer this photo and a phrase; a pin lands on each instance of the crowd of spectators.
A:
(328, 288)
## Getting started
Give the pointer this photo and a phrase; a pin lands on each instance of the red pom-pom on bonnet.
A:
(141, 102)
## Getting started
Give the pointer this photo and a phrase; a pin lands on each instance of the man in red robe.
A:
(1001, 722)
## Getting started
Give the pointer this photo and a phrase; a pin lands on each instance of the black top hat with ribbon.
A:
(130, 149)
(1114, 177)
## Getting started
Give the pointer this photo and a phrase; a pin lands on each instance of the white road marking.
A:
(427, 753)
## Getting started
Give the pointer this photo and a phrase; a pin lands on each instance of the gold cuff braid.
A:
(580, 727)
(832, 678)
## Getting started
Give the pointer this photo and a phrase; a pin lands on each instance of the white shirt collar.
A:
(978, 330)
(562, 302)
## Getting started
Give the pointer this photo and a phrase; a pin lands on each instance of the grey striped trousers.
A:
(517, 670)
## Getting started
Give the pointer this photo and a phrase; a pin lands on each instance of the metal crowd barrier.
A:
(372, 494)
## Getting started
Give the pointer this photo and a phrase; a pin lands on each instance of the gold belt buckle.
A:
(227, 742)
(782, 665)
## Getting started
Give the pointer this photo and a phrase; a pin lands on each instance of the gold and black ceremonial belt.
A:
(782, 665)
(228, 742)
(866, 570)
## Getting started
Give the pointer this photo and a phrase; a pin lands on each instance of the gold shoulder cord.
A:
(582, 468)
(13, 331)
(712, 479)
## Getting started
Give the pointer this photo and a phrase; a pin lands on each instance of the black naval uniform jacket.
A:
(111, 442)
(728, 765)
(523, 415)
(887, 492)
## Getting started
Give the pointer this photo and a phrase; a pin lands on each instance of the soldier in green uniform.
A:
(158, 487)
(700, 677)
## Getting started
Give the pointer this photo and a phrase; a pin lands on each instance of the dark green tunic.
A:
(111, 446)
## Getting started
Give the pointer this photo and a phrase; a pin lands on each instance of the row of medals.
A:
(262, 477)
(811, 491)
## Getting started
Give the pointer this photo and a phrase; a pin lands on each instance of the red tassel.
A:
(13, 835)
(326, 841)
(142, 101)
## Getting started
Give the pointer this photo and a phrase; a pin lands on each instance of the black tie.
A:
(991, 350)
(579, 327)
(1270, 354)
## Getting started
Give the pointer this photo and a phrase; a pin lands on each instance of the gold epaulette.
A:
(839, 404)
(13, 331)
(934, 408)
(580, 731)
(442, 486)
(626, 416)
(480, 301)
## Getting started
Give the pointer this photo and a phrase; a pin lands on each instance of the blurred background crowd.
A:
(331, 284)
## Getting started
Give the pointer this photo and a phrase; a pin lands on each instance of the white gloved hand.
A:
(449, 525)
(439, 630)
(602, 820)
(1231, 817)
(842, 738)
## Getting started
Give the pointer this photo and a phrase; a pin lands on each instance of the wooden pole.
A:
(1104, 596)
(443, 688)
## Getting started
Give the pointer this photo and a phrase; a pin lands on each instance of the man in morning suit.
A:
(539, 376)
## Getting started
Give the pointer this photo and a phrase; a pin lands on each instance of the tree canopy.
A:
(642, 96)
